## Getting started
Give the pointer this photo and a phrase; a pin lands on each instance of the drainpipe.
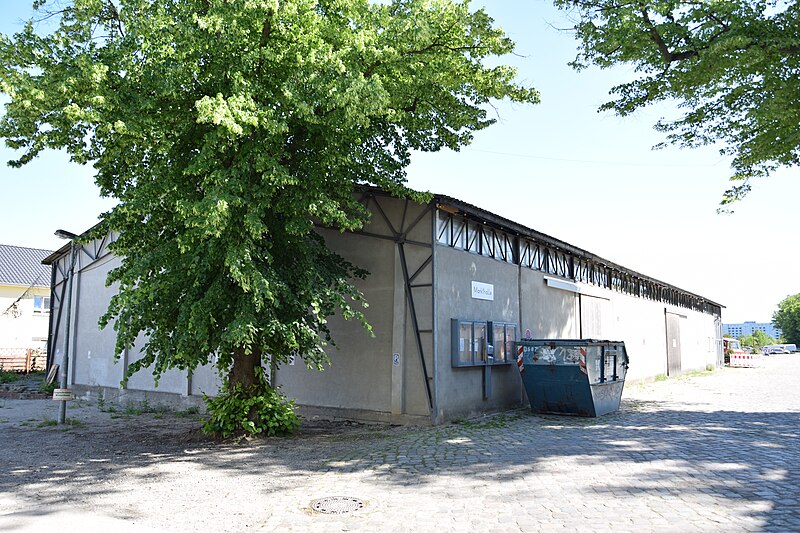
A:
(62, 408)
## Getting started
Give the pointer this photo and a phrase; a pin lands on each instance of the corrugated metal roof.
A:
(23, 266)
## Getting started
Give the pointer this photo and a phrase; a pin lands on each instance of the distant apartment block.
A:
(747, 328)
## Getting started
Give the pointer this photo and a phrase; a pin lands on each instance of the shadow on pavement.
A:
(645, 449)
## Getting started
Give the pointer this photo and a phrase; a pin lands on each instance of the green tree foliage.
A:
(227, 129)
(762, 339)
(787, 319)
(733, 66)
(756, 340)
(747, 341)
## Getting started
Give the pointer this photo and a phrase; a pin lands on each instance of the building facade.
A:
(451, 288)
(24, 307)
(748, 328)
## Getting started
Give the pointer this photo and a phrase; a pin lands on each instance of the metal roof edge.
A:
(487, 216)
(506, 224)
(55, 256)
(61, 252)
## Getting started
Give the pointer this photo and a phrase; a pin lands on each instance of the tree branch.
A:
(669, 56)
(114, 15)
(266, 30)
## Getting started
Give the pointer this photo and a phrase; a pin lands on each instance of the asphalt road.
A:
(711, 452)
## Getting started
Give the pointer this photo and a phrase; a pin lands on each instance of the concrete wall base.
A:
(126, 397)
(177, 402)
(362, 415)
(477, 412)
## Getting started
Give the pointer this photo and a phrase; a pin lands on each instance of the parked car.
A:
(773, 349)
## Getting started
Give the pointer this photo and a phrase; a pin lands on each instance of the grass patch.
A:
(189, 411)
(661, 377)
(141, 408)
(7, 376)
(698, 373)
(49, 422)
(498, 421)
(135, 409)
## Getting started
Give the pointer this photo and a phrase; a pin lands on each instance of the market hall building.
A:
(447, 281)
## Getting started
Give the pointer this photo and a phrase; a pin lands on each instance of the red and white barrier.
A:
(745, 360)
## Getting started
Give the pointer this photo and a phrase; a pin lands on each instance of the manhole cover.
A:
(337, 504)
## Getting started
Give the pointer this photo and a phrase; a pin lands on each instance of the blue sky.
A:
(560, 167)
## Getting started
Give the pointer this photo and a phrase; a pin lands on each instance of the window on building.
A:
(471, 339)
(503, 338)
(464, 344)
(479, 343)
(498, 336)
(41, 304)
(469, 342)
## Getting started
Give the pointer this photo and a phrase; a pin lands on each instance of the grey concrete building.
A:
(448, 280)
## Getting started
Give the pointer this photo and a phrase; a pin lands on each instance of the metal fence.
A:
(22, 359)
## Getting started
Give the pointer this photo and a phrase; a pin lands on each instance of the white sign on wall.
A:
(482, 291)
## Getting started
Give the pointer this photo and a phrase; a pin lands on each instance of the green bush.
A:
(239, 411)
(9, 377)
(48, 388)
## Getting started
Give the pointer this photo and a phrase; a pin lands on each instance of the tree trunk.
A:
(244, 369)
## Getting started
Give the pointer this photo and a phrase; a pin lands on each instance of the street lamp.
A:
(63, 234)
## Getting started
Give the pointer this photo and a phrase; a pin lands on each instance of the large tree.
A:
(227, 129)
(732, 65)
(787, 319)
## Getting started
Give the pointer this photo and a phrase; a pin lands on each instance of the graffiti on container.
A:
(572, 356)
(607, 392)
(546, 354)
(529, 355)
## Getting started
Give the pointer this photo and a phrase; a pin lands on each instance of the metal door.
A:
(595, 316)
(673, 343)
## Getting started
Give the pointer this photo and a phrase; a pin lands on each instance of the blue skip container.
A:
(581, 377)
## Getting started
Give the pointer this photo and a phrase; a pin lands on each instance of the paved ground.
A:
(712, 452)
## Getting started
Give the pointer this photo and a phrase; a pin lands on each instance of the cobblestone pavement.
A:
(711, 452)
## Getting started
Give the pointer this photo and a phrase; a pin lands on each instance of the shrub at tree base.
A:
(255, 410)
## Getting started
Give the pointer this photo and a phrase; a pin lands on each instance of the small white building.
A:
(447, 279)
(24, 307)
